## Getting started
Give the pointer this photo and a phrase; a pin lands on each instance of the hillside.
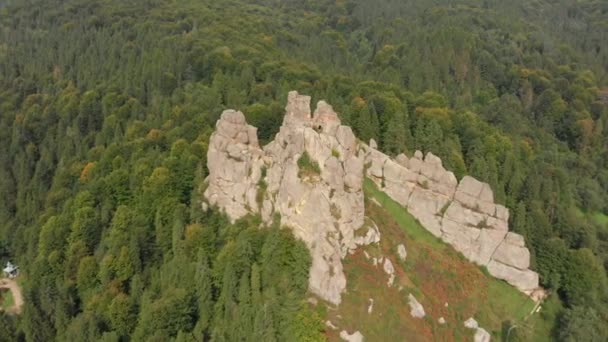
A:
(436, 275)
(107, 109)
(310, 178)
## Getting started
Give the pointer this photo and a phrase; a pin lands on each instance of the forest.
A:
(107, 106)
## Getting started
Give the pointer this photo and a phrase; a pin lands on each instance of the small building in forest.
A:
(10, 271)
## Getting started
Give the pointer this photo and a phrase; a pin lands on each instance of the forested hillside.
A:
(106, 108)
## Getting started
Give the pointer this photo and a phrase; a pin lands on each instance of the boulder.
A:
(481, 335)
(401, 252)
(354, 337)
(471, 323)
(390, 270)
(441, 320)
(416, 309)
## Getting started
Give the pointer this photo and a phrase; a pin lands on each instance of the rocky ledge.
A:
(311, 175)
(462, 214)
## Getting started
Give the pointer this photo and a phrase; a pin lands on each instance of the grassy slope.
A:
(7, 300)
(435, 273)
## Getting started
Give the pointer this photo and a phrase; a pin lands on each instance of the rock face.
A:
(320, 198)
(232, 157)
(311, 175)
(462, 214)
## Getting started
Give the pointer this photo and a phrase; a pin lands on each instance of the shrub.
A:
(307, 166)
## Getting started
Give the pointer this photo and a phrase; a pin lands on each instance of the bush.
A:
(307, 166)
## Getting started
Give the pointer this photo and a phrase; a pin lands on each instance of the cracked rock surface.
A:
(322, 202)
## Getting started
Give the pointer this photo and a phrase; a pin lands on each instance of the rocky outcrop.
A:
(234, 163)
(462, 214)
(311, 175)
(416, 309)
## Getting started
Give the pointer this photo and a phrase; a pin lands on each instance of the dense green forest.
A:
(106, 108)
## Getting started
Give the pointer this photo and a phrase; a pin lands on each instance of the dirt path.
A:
(11, 284)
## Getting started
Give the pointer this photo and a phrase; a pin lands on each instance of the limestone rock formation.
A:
(234, 162)
(311, 174)
(462, 214)
(416, 309)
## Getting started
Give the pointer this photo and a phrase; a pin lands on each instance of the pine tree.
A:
(394, 138)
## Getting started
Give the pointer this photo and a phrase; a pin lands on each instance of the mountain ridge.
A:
(324, 208)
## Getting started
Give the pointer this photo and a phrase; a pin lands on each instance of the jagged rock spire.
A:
(323, 206)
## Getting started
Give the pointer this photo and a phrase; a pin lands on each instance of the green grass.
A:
(435, 274)
(307, 166)
(405, 220)
(7, 299)
(600, 218)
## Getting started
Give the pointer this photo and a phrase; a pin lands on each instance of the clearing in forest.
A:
(11, 298)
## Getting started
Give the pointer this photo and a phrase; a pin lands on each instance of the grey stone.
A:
(390, 270)
(515, 239)
(416, 309)
(403, 160)
(481, 335)
(354, 337)
(512, 255)
(471, 323)
(401, 252)
(373, 144)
